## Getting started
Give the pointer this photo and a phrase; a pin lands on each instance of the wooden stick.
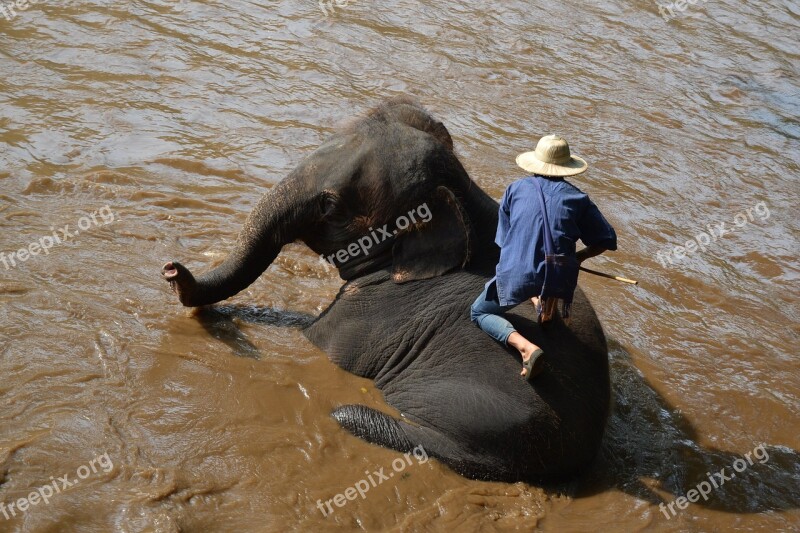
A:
(609, 276)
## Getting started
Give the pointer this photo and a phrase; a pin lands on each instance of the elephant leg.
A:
(384, 430)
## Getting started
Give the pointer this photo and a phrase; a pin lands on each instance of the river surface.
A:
(151, 128)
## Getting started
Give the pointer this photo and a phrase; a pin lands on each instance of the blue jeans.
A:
(487, 315)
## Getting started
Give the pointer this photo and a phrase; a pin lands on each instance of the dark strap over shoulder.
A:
(549, 245)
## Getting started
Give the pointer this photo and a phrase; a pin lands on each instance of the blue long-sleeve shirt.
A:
(571, 215)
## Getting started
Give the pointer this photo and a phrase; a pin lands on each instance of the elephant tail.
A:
(374, 426)
(384, 430)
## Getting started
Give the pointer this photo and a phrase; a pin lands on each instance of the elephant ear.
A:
(434, 247)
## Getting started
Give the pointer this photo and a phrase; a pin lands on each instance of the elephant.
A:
(402, 316)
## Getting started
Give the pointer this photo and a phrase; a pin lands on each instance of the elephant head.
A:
(385, 192)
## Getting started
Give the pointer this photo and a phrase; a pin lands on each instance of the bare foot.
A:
(525, 347)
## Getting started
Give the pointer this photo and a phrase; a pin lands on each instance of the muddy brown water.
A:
(152, 128)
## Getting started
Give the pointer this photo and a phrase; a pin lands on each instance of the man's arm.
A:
(589, 251)
(596, 233)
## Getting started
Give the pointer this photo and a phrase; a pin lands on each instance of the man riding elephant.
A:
(402, 316)
(540, 219)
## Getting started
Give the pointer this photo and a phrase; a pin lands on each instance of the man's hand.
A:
(589, 251)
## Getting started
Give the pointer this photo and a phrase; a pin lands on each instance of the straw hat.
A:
(552, 158)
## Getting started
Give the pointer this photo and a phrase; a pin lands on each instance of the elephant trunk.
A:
(273, 223)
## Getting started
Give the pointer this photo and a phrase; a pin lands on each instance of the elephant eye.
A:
(328, 205)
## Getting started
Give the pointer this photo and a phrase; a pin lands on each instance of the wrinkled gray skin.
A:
(402, 318)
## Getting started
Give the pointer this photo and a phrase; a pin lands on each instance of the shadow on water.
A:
(222, 323)
(649, 445)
